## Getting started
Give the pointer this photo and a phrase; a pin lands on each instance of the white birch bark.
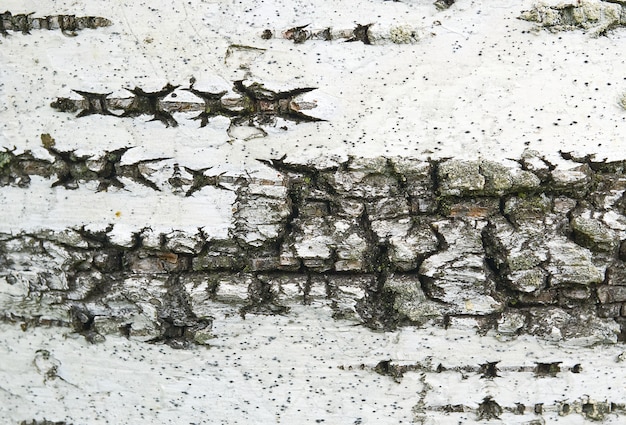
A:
(442, 243)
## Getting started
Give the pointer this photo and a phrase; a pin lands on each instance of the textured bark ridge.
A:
(367, 34)
(252, 104)
(68, 24)
(489, 408)
(525, 247)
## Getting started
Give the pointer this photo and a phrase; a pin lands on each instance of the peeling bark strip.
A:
(367, 34)
(253, 105)
(595, 16)
(524, 248)
(68, 24)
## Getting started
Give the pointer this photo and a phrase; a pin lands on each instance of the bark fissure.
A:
(384, 241)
